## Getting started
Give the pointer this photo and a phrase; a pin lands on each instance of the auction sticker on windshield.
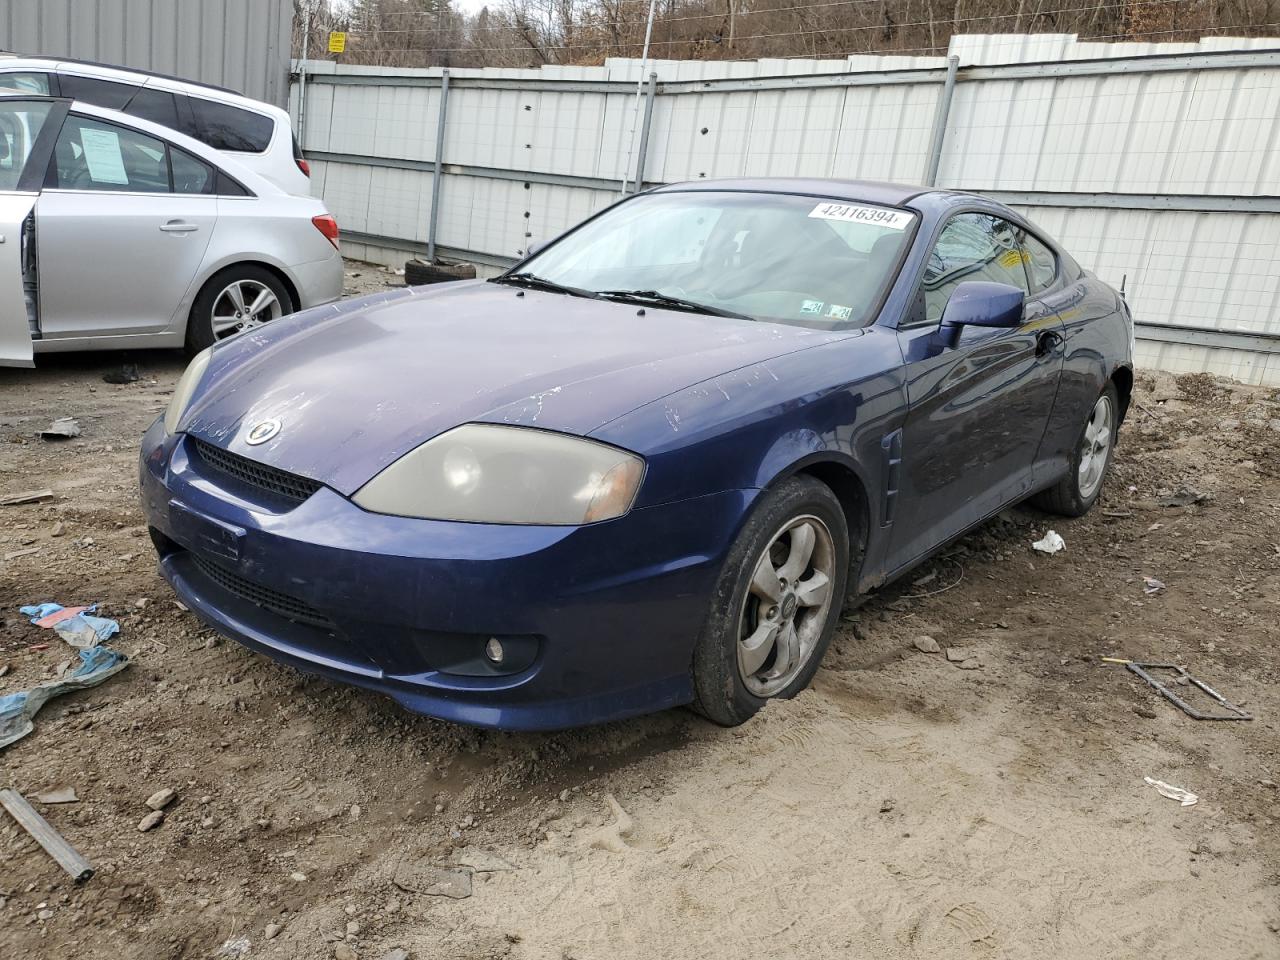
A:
(853, 213)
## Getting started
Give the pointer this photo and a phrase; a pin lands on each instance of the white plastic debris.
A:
(1151, 585)
(1184, 797)
(1051, 543)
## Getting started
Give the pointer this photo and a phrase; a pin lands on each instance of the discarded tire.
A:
(419, 272)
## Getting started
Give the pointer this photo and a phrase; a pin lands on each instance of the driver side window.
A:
(972, 246)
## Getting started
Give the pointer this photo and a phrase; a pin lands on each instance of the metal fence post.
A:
(649, 94)
(439, 169)
(940, 121)
(302, 78)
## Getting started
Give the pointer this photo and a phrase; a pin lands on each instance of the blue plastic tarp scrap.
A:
(97, 663)
(74, 624)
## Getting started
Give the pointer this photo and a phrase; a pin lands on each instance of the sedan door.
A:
(119, 244)
(27, 131)
(978, 405)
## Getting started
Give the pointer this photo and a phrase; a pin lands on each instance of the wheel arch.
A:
(290, 287)
(842, 476)
(1122, 378)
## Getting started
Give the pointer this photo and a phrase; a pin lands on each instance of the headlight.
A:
(486, 473)
(186, 386)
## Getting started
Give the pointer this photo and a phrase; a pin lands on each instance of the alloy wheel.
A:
(1095, 447)
(243, 305)
(786, 606)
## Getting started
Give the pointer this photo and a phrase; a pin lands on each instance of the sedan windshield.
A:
(760, 256)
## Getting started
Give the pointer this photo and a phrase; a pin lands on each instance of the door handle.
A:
(178, 226)
(1046, 342)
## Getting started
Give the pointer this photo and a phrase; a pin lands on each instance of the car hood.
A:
(357, 385)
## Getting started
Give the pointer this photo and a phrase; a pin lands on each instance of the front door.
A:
(118, 247)
(27, 131)
(977, 407)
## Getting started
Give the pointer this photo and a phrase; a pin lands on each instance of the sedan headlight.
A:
(485, 473)
(186, 386)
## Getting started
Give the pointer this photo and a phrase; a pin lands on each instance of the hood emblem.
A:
(262, 431)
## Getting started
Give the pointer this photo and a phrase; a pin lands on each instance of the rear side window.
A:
(225, 127)
(190, 175)
(158, 106)
(92, 155)
(1042, 265)
(25, 82)
(102, 93)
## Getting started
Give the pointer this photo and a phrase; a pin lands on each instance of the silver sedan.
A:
(116, 233)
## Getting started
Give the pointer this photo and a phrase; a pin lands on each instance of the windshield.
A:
(775, 257)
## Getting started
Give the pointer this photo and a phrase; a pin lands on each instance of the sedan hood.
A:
(357, 386)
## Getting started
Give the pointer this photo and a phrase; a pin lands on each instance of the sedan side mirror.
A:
(535, 247)
(982, 303)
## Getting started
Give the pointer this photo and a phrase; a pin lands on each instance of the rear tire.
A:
(1074, 494)
(213, 315)
(418, 273)
(776, 604)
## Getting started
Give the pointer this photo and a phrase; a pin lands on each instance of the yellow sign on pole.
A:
(337, 42)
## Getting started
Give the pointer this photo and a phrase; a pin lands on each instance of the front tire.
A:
(1075, 493)
(238, 298)
(776, 604)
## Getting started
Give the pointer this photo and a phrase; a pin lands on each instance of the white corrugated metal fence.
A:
(1158, 164)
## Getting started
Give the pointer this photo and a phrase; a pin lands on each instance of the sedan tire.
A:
(1074, 494)
(238, 298)
(776, 604)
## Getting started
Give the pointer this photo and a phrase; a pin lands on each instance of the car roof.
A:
(109, 71)
(866, 191)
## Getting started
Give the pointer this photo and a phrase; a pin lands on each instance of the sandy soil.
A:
(901, 808)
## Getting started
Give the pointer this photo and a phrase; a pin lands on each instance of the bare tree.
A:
(533, 32)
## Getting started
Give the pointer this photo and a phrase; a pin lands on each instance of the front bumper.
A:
(373, 600)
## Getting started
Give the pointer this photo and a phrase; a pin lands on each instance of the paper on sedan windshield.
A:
(853, 213)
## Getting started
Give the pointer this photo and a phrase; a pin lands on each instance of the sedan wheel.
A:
(1095, 446)
(1075, 493)
(243, 305)
(241, 297)
(786, 606)
(776, 602)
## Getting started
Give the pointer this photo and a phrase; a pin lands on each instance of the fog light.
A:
(493, 650)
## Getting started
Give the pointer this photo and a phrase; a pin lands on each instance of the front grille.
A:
(282, 604)
(281, 483)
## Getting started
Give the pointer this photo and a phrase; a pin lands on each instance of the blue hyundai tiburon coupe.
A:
(647, 465)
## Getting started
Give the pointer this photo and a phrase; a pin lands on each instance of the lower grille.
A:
(281, 483)
(278, 603)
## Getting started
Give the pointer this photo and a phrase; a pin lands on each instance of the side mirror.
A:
(982, 303)
(535, 247)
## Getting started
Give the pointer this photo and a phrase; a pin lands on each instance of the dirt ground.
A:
(903, 807)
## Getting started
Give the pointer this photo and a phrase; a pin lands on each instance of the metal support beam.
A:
(1126, 66)
(805, 81)
(438, 172)
(471, 83)
(1208, 337)
(469, 170)
(646, 124)
(1174, 202)
(940, 121)
(418, 247)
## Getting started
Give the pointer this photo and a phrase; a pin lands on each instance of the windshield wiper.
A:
(535, 282)
(659, 299)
